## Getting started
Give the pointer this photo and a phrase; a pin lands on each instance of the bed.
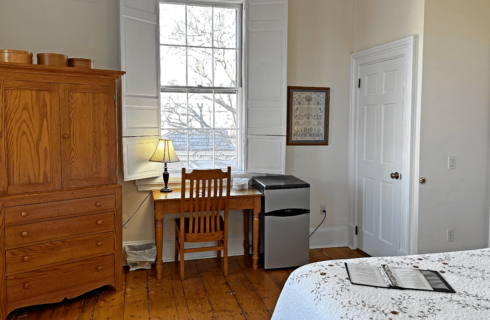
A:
(322, 290)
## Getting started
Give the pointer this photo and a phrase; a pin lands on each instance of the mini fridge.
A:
(284, 221)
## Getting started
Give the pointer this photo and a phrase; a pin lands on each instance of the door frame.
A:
(406, 47)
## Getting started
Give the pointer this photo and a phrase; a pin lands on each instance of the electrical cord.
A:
(324, 216)
(136, 210)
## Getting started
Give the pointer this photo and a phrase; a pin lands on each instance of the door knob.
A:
(395, 175)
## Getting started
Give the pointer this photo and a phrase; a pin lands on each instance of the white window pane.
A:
(199, 67)
(225, 28)
(226, 110)
(226, 142)
(225, 68)
(199, 26)
(201, 149)
(174, 110)
(172, 64)
(179, 139)
(201, 110)
(172, 23)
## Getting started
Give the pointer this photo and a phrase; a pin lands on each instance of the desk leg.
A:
(159, 237)
(256, 226)
(246, 243)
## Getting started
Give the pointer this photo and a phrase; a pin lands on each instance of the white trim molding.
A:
(406, 47)
(329, 237)
(325, 237)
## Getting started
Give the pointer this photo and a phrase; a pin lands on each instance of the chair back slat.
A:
(191, 207)
(204, 204)
(208, 206)
(215, 208)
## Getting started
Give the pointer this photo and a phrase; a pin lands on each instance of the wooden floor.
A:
(204, 294)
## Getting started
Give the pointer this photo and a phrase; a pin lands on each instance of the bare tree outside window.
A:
(200, 64)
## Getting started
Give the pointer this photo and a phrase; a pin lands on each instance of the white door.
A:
(380, 110)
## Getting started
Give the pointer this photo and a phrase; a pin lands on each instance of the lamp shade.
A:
(165, 152)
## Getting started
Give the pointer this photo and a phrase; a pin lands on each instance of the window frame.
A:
(240, 78)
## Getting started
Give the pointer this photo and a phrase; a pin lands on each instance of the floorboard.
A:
(204, 294)
(246, 295)
(136, 298)
(110, 304)
(219, 293)
(318, 255)
(266, 288)
(195, 295)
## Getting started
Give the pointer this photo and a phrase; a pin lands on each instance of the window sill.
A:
(175, 181)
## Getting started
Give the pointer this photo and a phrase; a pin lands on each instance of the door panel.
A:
(88, 131)
(32, 137)
(380, 154)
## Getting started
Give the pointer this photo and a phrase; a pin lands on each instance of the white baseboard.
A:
(325, 237)
(235, 248)
(328, 237)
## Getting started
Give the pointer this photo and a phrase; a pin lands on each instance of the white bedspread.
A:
(322, 291)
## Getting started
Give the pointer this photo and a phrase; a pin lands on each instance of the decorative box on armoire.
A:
(60, 204)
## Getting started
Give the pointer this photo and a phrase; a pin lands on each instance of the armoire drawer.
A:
(57, 209)
(58, 229)
(58, 252)
(38, 282)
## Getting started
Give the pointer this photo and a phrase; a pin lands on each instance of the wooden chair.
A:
(205, 199)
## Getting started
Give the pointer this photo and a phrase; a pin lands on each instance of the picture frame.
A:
(308, 116)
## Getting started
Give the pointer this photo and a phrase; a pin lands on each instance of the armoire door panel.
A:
(31, 136)
(88, 135)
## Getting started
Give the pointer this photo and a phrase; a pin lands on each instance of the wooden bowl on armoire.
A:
(16, 56)
(52, 59)
(81, 63)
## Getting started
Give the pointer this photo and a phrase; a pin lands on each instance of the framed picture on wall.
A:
(308, 116)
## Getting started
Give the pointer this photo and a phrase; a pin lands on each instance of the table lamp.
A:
(165, 153)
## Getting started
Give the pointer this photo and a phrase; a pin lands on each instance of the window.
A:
(200, 76)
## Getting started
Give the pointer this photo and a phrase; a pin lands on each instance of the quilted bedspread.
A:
(322, 290)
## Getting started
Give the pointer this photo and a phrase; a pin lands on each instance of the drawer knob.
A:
(25, 258)
(24, 234)
(98, 204)
(24, 214)
(99, 268)
(99, 244)
(99, 222)
(65, 136)
(26, 286)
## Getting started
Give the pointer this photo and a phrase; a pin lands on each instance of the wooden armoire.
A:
(60, 204)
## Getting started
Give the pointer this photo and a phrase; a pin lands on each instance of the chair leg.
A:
(176, 244)
(225, 259)
(182, 259)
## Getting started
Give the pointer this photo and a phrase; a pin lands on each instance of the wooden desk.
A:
(166, 203)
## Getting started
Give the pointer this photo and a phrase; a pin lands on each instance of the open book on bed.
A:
(397, 278)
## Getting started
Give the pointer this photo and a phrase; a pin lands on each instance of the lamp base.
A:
(165, 189)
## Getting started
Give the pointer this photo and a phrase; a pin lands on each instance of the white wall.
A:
(320, 41)
(455, 121)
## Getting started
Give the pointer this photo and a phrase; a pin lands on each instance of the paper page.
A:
(410, 279)
(368, 275)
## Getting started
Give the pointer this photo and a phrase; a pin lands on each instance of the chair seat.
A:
(201, 237)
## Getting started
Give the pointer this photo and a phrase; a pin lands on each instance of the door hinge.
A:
(356, 230)
(359, 84)
(114, 97)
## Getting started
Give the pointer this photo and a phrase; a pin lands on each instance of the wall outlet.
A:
(450, 235)
(324, 209)
(125, 218)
